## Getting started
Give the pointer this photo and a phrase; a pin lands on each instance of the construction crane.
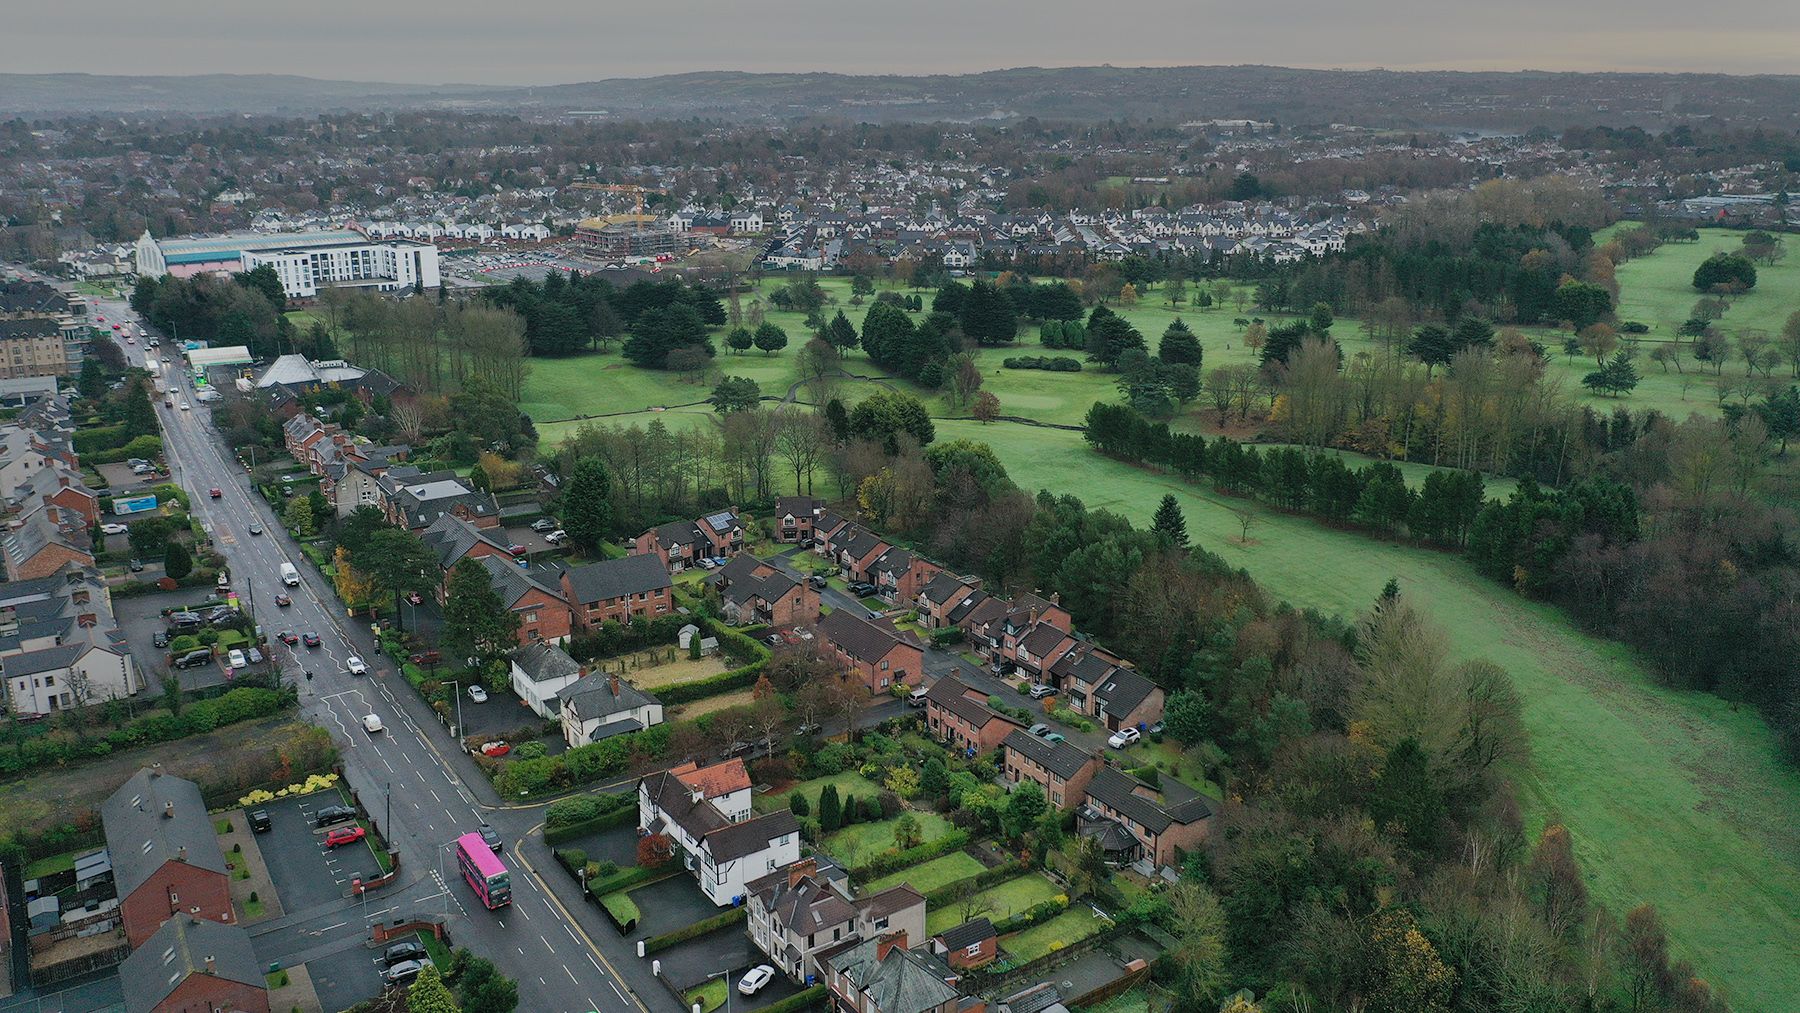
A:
(630, 188)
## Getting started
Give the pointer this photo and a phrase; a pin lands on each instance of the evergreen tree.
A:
(1169, 522)
(988, 315)
(428, 993)
(92, 381)
(587, 504)
(1406, 795)
(770, 338)
(477, 624)
(740, 339)
(798, 805)
(829, 811)
(840, 333)
(1179, 345)
(176, 561)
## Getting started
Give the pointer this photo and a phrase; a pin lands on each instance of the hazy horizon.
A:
(528, 42)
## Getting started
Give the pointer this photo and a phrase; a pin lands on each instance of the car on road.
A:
(477, 694)
(543, 524)
(371, 723)
(491, 837)
(310, 638)
(1040, 729)
(403, 951)
(1124, 737)
(186, 407)
(215, 492)
(816, 582)
(161, 639)
(754, 979)
(406, 970)
(259, 821)
(256, 529)
(236, 658)
(354, 665)
(113, 529)
(344, 835)
(287, 637)
(283, 600)
(168, 402)
(1040, 690)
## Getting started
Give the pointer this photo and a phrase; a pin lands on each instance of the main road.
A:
(421, 794)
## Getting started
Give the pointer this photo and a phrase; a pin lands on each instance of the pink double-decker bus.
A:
(487, 877)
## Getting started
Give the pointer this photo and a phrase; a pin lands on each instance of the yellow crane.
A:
(630, 188)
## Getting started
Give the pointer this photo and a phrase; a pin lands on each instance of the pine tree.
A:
(1179, 345)
(477, 624)
(587, 503)
(1169, 522)
(740, 339)
(176, 561)
(829, 815)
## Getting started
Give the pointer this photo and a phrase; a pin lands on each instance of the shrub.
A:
(804, 1000)
(243, 703)
(696, 929)
(893, 861)
(834, 759)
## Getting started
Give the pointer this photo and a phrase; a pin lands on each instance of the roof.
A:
(967, 934)
(50, 659)
(615, 578)
(952, 695)
(512, 582)
(181, 949)
(797, 506)
(452, 538)
(1119, 791)
(299, 371)
(942, 587)
(1042, 639)
(722, 521)
(718, 779)
(747, 577)
(600, 694)
(736, 840)
(155, 818)
(1123, 691)
(232, 243)
(804, 906)
(905, 982)
(1064, 759)
(542, 662)
(862, 639)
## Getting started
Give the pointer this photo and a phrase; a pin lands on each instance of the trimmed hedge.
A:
(601, 819)
(802, 1000)
(700, 689)
(696, 930)
(1052, 363)
(1041, 912)
(894, 861)
(948, 893)
(244, 703)
(630, 876)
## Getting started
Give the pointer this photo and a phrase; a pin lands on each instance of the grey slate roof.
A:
(1118, 791)
(736, 840)
(906, 982)
(951, 694)
(862, 639)
(1064, 759)
(544, 661)
(512, 583)
(614, 578)
(179, 950)
(1122, 691)
(452, 538)
(155, 818)
(967, 934)
(593, 697)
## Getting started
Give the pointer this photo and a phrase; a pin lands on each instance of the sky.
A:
(546, 42)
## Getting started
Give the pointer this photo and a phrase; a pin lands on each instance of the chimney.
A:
(181, 855)
(212, 966)
(801, 870)
(613, 679)
(698, 796)
(888, 943)
(168, 810)
(156, 769)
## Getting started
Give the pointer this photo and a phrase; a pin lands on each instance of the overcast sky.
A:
(545, 42)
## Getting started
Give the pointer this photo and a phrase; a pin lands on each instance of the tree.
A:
(1599, 340)
(1616, 377)
(1024, 807)
(1169, 523)
(735, 394)
(299, 517)
(176, 561)
(986, 407)
(477, 623)
(1580, 304)
(400, 561)
(740, 339)
(587, 504)
(480, 987)
(1179, 345)
(1188, 717)
(92, 381)
(861, 287)
(830, 813)
(906, 832)
(1725, 272)
(1200, 926)
(840, 333)
(353, 587)
(887, 415)
(655, 850)
(429, 994)
(770, 338)
(988, 315)
(659, 332)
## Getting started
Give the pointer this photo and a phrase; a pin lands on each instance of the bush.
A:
(570, 818)
(946, 637)
(696, 929)
(834, 759)
(803, 1000)
(1054, 364)
(241, 704)
(893, 861)
(1032, 915)
(700, 689)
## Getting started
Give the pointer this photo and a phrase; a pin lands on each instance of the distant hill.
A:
(1375, 98)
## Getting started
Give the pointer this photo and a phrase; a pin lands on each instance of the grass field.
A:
(674, 673)
(1066, 929)
(848, 782)
(1676, 798)
(860, 842)
(928, 876)
(1007, 899)
(724, 701)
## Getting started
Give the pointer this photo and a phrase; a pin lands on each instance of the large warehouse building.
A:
(304, 261)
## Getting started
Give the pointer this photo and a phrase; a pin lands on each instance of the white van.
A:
(289, 575)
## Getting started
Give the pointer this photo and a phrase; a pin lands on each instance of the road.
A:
(421, 792)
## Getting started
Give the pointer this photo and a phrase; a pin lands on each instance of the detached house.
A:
(1134, 822)
(705, 812)
(960, 717)
(680, 544)
(882, 976)
(165, 855)
(540, 672)
(752, 591)
(880, 655)
(602, 705)
(797, 913)
(794, 517)
(636, 587)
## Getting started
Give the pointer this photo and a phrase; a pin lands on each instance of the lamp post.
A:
(726, 974)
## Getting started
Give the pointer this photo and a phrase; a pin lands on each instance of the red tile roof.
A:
(718, 779)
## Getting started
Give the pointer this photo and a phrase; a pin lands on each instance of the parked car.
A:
(557, 537)
(404, 951)
(516, 550)
(309, 638)
(1040, 729)
(492, 837)
(1157, 728)
(477, 694)
(755, 978)
(424, 657)
(113, 528)
(194, 659)
(137, 566)
(816, 582)
(406, 970)
(1040, 691)
(344, 835)
(333, 814)
(774, 640)
(354, 665)
(259, 821)
(254, 654)
(543, 524)
(1124, 737)
(185, 622)
(414, 598)
(498, 747)
(371, 723)
(1054, 737)
(236, 658)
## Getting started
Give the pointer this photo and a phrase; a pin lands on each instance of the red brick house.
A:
(62, 488)
(44, 540)
(959, 716)
(636, 587)
(939, 599)
(194, 966)
(974, 943)
(899, 575)
(1134, 822)
(794, 518)
(680, 544)
(544, 616)
(1102, 686)
(166, 858)
(874, 650)
(826, 526)
(752, 591)
(1062, 769)
(455, 539)
(855, 549)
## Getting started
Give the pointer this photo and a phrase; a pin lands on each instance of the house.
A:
(601, 705)
(165, 855)
(959, 715)
(43, 540)
(62, 488)
(974, 943)
(877, 653)
(680, 544)
(357, 482)
(796, 913)
(191, 965)
(417, 500)
(87, 669)
(881, 975)
(794, 517)
(1037, 649)
(855, 548)
(899, 575)
(635, 587)
(941, 595)
(540, 672)
(705, 813)
(1026, 613)
(1062, 769)
(826, 525)
(1125, 699)
(455, 539)
(752, 591)
(544, 615)
(1137, 823)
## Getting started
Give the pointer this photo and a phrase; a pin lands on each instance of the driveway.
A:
(671, 904)
(729, 949)
(521, 534)
(306, 874)
(347, 977)
(503, 714)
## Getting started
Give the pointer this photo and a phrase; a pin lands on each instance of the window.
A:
(880, 923)
(972, 950)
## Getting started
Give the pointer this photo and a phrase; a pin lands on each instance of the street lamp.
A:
(726, 974)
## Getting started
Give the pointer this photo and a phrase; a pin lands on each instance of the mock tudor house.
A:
(797, 913)
(602, 705)
(1136, 823)
(959, 716)
(681, 544)
(794, 518)
(877, 653)
(705, 812)
(1062, 769)
(195, 966)
(165, 854)
(635, 587)
(752, 591)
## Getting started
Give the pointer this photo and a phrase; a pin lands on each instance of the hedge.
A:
(949, 892)
(806, 999)
(700, 689)
(244, 703)
(630, 876)
(894, 861)
(1041, 912)
(696, 929)
(1054, 364)
(948, 636)
(558, 830)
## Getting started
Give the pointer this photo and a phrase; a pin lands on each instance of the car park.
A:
(1124, 737)
(259, 821)
(309, 638)
(371, 723)
(543, 524)
(754, 979)
(333, 814)
(477, 694)
(194, 659)
(344, 835)
(406, 970)
(354, 665)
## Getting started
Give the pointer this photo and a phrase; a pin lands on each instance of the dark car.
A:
(398, 952)
(194, 659)
(259, 821)
(137, 566)
(333, 814)
(160, 640)
(309, 638)
(491, 837)
(543, 524)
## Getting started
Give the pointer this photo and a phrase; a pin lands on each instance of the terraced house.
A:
(617, 589)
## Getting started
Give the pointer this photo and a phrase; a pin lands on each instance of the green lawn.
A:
(928, 876)
(1066, 929)
(848, 782)
(860, 842)
(1168, 757)
(1008, 899)
(708, 997)
(620, 905)
(64, 862)
(1676, 798)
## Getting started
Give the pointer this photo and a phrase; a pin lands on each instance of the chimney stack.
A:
(181, 854)
(156, 769)
(614, 680)
(801, 870)
(168, 810)
(888, 943)
(211, 964)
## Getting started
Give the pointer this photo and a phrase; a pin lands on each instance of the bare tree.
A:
(801, 440)
(1245, 518)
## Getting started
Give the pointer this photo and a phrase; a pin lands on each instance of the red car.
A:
(215, 492)
(517, 550)
(288, 637)
(283, 600)
(496, 748)
(344, 835)
(413, 598)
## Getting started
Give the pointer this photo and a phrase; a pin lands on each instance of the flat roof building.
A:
(304, 261)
